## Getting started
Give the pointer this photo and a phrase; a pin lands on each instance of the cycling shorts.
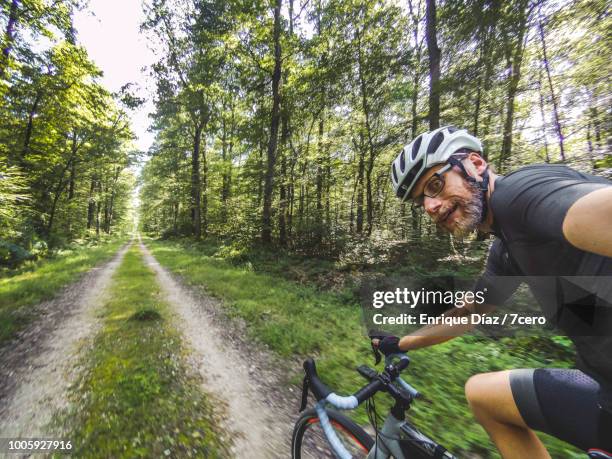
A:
(563, 403)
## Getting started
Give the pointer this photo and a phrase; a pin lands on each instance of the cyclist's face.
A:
(457, 208)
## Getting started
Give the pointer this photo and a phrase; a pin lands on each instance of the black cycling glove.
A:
(389, 345)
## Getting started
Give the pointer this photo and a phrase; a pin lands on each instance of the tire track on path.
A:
(40, 364)
(260, 407)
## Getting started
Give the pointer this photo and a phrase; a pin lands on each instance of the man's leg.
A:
(490, 398)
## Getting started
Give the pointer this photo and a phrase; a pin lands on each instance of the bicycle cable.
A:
(373, 418)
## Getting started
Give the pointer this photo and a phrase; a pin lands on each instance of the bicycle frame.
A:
(401, 440)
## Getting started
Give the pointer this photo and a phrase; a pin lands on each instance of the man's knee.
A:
(477, 389)
(490, 398)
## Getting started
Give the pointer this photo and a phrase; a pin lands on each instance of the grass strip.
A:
(136, 396)
(297, 319)
(19, 292)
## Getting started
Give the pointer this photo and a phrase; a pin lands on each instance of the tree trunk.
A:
(360, 177)
(10, 37)
(590, 146)
(542, 114)
(30, 125)
(434, 65)
(514, 58)
(228, 145)
(553, 97)
(73, 167)
(266, 227)
(204, 211)
(196, 192)
(91, 203)
(112, 199)
(365, 106)
(98, 207)
(417, 75)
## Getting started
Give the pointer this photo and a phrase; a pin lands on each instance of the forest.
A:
(277, 123)
(65, 140)
(265, 198)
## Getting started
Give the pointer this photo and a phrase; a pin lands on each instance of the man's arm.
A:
(588, 222)
(436, 334)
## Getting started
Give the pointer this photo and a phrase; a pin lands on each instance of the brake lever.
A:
(380, 335)
(377, 355)
(304, 394)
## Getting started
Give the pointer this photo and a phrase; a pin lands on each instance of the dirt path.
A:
(260, 407)
(39, 365)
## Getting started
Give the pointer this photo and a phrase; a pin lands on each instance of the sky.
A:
(109, 30)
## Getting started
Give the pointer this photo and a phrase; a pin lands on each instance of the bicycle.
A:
(398, 438)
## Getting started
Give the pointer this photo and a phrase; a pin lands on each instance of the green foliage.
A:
(353, 91)
(12, 255)
(136, 397)
(64, 140)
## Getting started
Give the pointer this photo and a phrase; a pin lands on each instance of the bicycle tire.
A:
(343, 425)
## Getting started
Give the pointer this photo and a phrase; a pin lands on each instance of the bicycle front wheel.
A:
(309, 441)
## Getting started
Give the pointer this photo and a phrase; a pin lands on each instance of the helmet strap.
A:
(482, 185)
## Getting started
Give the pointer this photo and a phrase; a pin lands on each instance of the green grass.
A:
(298, 319)
(136, 397)
(29, 287)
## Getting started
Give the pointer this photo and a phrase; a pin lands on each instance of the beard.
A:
(472, 210)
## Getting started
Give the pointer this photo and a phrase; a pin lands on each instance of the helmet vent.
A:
(410, 177)
(394, 174)
(402, 162)
(416, 146)
(435, 142)
(452, 129)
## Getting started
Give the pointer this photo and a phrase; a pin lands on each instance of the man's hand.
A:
(388, 345)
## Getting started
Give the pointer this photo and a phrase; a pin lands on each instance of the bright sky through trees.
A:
(109, 30)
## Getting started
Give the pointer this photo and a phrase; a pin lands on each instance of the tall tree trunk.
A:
(266, 227)
(319, 185)
(285, 123)
(223, 164)
(111, 209)
(30, 125)
(553, 97)
(514, 58)
(98, 204)
(74, 149)
(434, 65)
(417, 76)
(228, 145)
(590, 149)
(9, 37)
(360, 178)
(71, 185)
(196, 191)
(204, 211)
(91, 203)
(365, 106)
(542, 114)
(59, 189)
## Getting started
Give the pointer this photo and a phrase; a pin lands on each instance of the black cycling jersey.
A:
(529, 207)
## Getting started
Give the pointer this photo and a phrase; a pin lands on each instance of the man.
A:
(549, 220)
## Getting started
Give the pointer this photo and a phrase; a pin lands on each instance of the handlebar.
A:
(377, 383)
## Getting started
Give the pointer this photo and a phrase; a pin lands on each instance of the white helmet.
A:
(427, 150)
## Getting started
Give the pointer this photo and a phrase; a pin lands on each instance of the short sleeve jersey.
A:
(529, 207)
